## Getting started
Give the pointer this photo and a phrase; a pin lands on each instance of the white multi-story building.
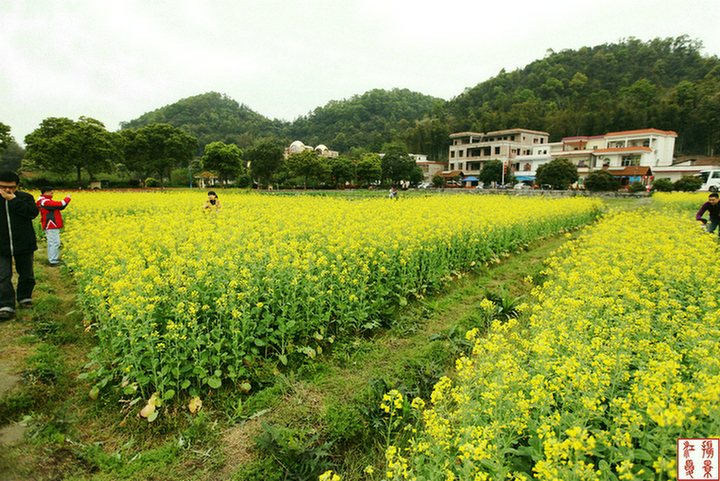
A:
(634, 155)
(469, 151)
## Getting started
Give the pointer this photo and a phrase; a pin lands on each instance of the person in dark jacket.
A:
(712, 207)
(17, 240)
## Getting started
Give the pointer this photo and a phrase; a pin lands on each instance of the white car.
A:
(424, 185)
(521, 186)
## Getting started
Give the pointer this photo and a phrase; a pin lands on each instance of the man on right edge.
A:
(712, 206)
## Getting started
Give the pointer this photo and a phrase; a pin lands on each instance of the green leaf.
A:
(214, 382)
(94, 392)
(153, 415)
(185, 384)
(644, 455)
(169, 394)
(283, 359)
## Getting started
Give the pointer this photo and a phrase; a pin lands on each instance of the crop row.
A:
(618, 358)
(182, 300)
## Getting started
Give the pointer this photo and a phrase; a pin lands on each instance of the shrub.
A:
(662, 185)
(151, 182)
(180, 178)
(637, 187)
(688, 183)
(601, 180)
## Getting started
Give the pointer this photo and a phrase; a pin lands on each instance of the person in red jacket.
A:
(52, 222)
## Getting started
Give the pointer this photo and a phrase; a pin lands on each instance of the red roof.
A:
(641, 131)
(631, 170)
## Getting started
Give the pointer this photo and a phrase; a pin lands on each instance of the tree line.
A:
(63, 147)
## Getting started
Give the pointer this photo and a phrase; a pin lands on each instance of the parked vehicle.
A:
(521, 186)
(711, 180)
(424, 185)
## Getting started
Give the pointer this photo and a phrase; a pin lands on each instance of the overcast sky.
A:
(116, 60)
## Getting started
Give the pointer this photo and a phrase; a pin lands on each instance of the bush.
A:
(243, 181)
(601, 180)
(688, 183)
(180, 178)
(662, 185)
(151, 182)
(637, 187)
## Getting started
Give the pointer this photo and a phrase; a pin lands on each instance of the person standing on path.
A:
(52, 222)
(17, 240)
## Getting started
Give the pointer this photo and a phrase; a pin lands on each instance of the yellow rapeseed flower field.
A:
(183, 300)
(618, 358)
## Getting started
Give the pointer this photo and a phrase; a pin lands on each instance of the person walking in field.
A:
(17, 241)
(712, 207)
(52, 222)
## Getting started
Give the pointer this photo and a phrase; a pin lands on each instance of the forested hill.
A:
(368, 120)
(213, 117)
(664, 83)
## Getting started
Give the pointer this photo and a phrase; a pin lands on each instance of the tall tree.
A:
(308, 164)
(5, 137)
(158, 148)
(223, 159)
(369, 169)
(12, 157)
(396, 164)
(266, 160)
(342, 169)
(491, 172)
(559, 173)
(62, 145)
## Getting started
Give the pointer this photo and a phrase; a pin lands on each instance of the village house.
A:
(635, 155)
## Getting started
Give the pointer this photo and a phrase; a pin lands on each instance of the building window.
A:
(630, 160)
(497, 150)
(452, 154)
(512, 137)
(460, 153)
(452, 166)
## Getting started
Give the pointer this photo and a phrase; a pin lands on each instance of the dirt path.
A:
(13, 351)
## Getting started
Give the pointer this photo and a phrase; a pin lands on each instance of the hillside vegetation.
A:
(664, 83)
